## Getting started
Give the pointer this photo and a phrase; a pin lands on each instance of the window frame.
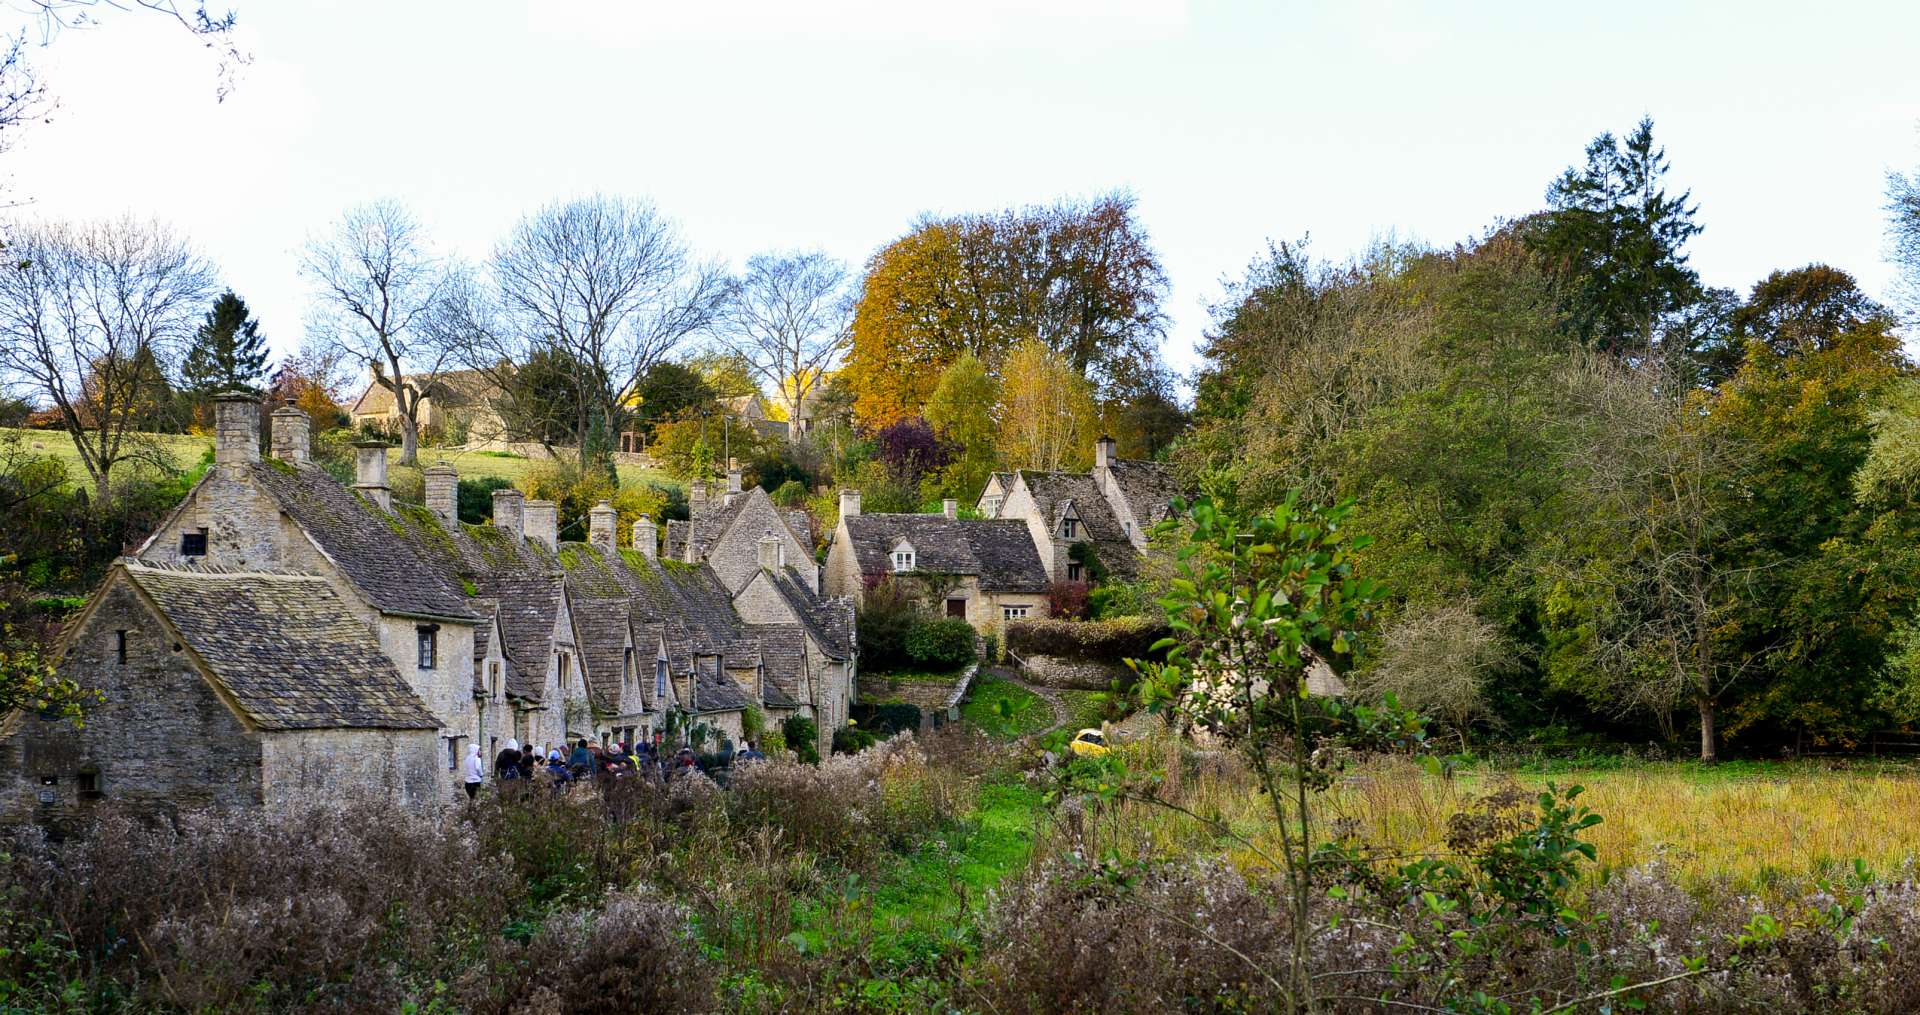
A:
(904, 560)
(192, 538)
(120, 647)
(426, 645)
(1014, 612)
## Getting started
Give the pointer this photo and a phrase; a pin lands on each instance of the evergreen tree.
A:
(1614, 238)
(228, 351)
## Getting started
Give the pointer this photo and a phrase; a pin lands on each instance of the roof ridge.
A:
(213, 570)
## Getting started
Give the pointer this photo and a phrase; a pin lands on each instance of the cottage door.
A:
(957, 607)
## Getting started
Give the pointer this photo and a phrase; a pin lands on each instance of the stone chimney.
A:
(443, 492)
(1104, 452)
(950, 507)
(697, 495)
(602, 527)
(733, 486)
(646, 538)
(236, 428)
(292, 436)
(542, 521)
(509, 511)
(769, 552)
(849, 503)
(370, 473)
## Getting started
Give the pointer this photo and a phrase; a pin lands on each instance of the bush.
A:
(1067, 600)
(476, 498)
(1103, 640)
(791, 494)
(944, 644)
(894, 717)
(852, 740)
(888, 613)
(803, 738)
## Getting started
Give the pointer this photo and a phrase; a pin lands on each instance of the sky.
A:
(783, 124)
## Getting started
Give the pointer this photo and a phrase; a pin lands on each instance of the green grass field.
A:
(185, 451)
(982, 708)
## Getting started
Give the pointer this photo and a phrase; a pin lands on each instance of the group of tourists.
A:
(586, 761)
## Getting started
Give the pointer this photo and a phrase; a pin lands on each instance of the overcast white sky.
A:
(763, 124)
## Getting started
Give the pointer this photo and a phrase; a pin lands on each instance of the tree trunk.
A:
(1709, 751)
(409, 441)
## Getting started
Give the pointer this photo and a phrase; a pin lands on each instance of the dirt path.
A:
(1046, 694)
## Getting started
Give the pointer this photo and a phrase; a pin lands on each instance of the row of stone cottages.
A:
(282, 636)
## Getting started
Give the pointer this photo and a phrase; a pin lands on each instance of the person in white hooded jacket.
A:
(476, 771)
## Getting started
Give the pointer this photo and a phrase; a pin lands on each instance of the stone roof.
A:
(601, 595)
(999, 552)
(284, 647)
(783, 651)
(830, 621)
(360, 538)
(1147, 488)
(1053, 492)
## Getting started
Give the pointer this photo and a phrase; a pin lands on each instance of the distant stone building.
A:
(482, 632)
(462, 402)
(1111, 508)
(985, 571)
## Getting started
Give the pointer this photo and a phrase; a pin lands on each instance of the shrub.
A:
(633, 954)
(888, 614)
(476, 498)
(803, 738)
(1067, 600)
(791, 494)
(852, 740)
(892, 717)
(1120, 638)
(945, 644)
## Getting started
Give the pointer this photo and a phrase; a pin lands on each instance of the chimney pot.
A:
(646, 538)
(950, 507)
(849, 503)
(236, 428)
(443, 492)
(509, 511)
(292, 436)
(541, 519)
(370, 473)
(603, 526)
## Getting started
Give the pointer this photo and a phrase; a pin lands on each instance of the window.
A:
(90, 784)
(493, 678)
(120, 647)
(903, 559)
(1073, 571)
(957, 607)
(427, 637)
(1069, 528)
(453, 754)
(628, 674)
(1013, 612)
(659, 678)
(564, 664)
(193, 544)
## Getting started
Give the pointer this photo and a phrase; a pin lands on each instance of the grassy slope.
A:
(982, 709)
(185, 450)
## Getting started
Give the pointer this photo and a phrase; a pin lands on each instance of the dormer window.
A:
(903, 558)
(1069, 528)
(659, 678)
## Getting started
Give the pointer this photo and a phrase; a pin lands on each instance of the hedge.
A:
(1103, 640)
(945, 644)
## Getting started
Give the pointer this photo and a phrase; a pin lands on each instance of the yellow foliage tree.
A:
(905, 331)
(1047, 413)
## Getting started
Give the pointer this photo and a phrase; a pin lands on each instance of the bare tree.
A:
(1659, 480)
(607, 285)
(87, 315)
(1903, 236)
(375, 285)
(790, 319)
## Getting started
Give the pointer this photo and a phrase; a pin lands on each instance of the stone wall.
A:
(161, 739)
(403, 767)
(1074, 674)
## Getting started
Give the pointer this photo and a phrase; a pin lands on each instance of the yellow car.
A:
(1089, 743)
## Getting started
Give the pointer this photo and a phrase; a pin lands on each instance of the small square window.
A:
(193, 544)
(903, 560)
(1013, 613)
(1073, 571)
(89, 785)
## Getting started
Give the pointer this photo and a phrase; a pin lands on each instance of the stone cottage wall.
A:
(161, 739)
(403, 767)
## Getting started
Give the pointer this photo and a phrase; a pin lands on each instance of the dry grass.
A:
(1762, 828)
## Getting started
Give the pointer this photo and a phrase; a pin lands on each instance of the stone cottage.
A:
(983, 570)
(497, 630)
(221, 687)
(1112, 509)
(454, 400)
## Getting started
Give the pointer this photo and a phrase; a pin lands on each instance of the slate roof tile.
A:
(998, 551)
